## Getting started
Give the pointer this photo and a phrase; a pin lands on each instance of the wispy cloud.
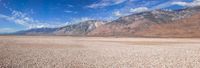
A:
(27, 21)
(117, 13)
(126, 11)
(132, 6)
(162, 5)
(69, 11)
(78, 20)
(104, 3)
(189, 4)
(139, 9)
(21, 19)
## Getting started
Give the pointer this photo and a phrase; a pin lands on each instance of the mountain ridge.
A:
(144, 24)
(80, 28)
(130, 25)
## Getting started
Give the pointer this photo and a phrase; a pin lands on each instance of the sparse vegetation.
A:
(82, 52)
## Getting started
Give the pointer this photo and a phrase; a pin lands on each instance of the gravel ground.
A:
(98, 52)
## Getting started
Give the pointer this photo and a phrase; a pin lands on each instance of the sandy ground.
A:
(93, 52)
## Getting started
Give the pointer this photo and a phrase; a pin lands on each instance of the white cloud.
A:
(189, 4)
(117, 13)
(139, 9)
(24, 20)
(132, 6)
(104, 3)
(162, 5)
(69, 11)
(77, 20)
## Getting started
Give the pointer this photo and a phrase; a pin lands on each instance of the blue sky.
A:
(26, 14)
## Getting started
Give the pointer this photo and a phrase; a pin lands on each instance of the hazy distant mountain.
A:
(37, 31)
(81, 28)
(157, 23)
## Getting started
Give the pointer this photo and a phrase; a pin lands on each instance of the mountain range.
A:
(78, 29)
(156, 23)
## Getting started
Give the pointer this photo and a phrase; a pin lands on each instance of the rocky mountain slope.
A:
(158, 23)
(186, 27)
(81, 29)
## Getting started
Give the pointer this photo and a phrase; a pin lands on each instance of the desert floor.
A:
(98, 52)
